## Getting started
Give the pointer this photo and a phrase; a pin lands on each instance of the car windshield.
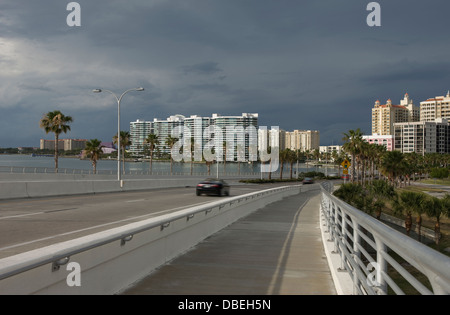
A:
(209, 181)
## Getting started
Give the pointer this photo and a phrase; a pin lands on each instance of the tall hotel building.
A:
(385, 116)
(437, 107)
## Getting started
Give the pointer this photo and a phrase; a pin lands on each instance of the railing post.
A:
(381, 267)
(356, 239)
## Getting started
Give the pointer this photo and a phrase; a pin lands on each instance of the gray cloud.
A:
(204, 68)
(299, 64)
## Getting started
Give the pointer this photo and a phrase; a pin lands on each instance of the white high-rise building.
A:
(163, 129)
(423, 137)
(434, 108)
(229, 125)
(139, 130)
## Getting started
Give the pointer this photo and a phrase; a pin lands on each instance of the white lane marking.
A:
(21, 215)
(100, 225)
(137, 200)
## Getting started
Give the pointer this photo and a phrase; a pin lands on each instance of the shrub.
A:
(439, 173)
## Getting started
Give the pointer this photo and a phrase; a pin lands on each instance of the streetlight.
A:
(118, 99)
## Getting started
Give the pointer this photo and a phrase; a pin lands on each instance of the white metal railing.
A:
(371, 252)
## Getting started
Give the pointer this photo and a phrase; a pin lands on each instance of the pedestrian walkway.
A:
(277, 250)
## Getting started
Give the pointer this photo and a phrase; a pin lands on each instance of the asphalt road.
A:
(27, 224)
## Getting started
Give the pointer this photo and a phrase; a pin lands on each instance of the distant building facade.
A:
(139, 130)
(385, 116)
(435, 108)
(302, 140)
(423, 137)
(329, 149)
(63, 144)
(387, 140)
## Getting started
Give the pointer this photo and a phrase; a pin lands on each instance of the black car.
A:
(213, 186)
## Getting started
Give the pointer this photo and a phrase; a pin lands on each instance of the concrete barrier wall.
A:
(69, 186)
(109, 264)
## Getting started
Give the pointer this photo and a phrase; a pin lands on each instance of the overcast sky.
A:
(300, 64)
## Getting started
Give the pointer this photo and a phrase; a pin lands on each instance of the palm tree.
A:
(412, 202)
(283, 158)
(170, 142)
(57, 123)
(152, 140)
(435, 208)
(192, 149)
(94, 150)
(382, 192)
(352, 143)
(125, 141)
(393, 165)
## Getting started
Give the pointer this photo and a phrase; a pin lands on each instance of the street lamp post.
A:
(118, 99)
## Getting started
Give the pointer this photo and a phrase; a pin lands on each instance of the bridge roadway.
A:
(27, 224)
(277, 250)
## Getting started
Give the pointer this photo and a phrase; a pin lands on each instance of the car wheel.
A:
(198, 193)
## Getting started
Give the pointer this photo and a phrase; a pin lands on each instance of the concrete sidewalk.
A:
(277, 250)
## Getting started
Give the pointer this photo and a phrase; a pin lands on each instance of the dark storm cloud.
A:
(305, 64)
(204, 68)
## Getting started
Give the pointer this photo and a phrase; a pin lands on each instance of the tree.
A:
(152, 141)
(435, 208)
(352, 194)
(352, 144)
(57, 123)
(284, 154)
(382, 192)
(125, 141)
(94, 150)
(291, 158)
(439, 173)
(412, 202)
(170, 142)
(393, 165)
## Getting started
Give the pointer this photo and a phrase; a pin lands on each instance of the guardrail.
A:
(72, 171)
(371, 252)
(110, 261)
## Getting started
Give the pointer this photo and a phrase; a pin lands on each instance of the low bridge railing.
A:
(371, 252)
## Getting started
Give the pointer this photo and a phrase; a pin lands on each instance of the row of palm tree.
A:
(395, 166)
(395, 169)
(379, 194)
(56, 122)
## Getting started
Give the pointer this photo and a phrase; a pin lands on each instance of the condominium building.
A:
(273, 137)
(385, 116)
(329, 149)
(302, 140)
(434, 108)
(63, 144)
(163, 129)
(230, 127)
(385, 140)
(197, 125)
(139, 130)
(423, 137)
